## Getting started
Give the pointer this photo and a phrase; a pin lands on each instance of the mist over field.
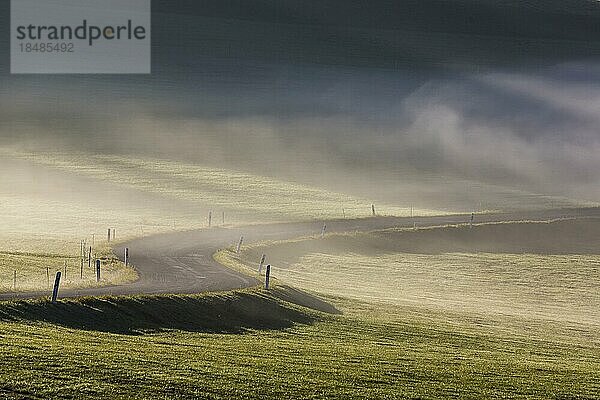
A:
(450, 105)
(305, 199)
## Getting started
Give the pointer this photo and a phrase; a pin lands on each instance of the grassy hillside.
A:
(518, 269)
(49, 202)
(185, 191)
(252, 344)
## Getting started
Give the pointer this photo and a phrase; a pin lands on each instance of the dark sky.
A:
(239, 41)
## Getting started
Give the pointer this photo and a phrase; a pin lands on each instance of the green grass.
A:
(252, 344)
(511, 315)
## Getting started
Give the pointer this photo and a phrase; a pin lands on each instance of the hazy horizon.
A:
(448, 103)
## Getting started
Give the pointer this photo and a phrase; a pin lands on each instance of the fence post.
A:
(97, 270)
(267, 276)
(56, 285)
(262, 261)
(90, 258)
(108, 235)
(323, 230)
(471, 222)
(48, 278)
(209, 219)
(373, 209)
(126, 256)
(15, 281)
(240, 243)
(223, 215)
(65, 274)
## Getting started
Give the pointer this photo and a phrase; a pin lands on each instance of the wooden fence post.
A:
(239, 246)
(209, 219)
(268, 276)
(48, 278)
(56, 285)
(323, 230)
(126, 256)
(108, 235)
(373, 209)
(262, 261)
(97, 270)
(15, 281)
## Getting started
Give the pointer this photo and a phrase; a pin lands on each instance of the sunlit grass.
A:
(21, 272)
(373, 352)
(408, 330)
(223, 189)
(143, 196)
(379, 267)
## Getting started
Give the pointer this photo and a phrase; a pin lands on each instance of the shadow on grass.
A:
(232, 312)
(304, 299)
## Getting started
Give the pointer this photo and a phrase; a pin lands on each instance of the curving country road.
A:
(182, 262)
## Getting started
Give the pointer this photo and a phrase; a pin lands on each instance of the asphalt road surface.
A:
(182, 262)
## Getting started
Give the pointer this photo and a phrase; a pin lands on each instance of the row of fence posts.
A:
(111, 235)
(63, 274)
(85, 253)
(264, 256)
(59, 274)
(412, 214)
(260, 265)
(210, 218)
(373, 213)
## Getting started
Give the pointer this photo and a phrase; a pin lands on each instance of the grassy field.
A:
(252, 344)
(21, 272)
(496, 311)
(430, 325)
(512, 280)
(194, 189)
(508, 268)
(49, 202)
